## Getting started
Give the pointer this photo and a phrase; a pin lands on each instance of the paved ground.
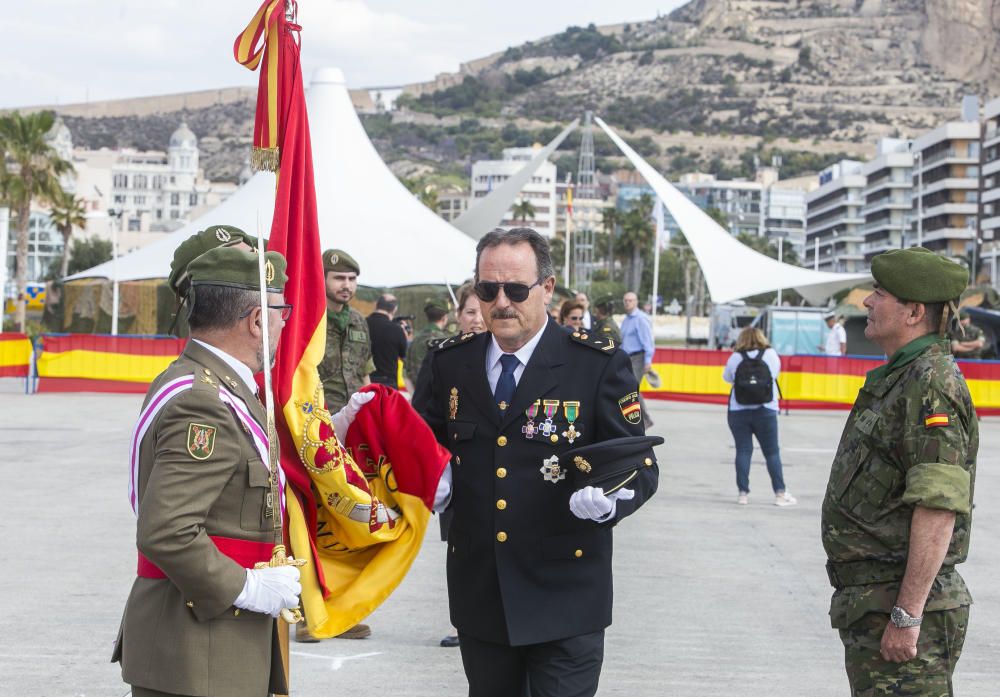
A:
(711, 599)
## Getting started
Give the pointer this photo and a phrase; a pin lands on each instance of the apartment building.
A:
(540, 190)
(834, 220)
(887, 198)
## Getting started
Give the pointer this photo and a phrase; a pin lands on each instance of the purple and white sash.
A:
(170, 390)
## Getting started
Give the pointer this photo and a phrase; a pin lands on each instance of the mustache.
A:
(507, 313)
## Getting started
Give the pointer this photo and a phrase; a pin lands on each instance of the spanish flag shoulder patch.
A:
(936, 421)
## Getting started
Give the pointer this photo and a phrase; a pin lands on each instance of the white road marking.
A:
(336, 662)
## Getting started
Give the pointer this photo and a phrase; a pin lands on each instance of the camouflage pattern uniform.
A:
(972, 333)
(348, 358)
(424, 340)
(607, 328)
(892, 457)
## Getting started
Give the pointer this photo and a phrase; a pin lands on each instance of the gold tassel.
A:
(264, 159)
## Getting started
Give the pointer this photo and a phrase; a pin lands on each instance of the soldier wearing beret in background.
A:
(897, 512)
(427, 338)
(967, 340)
(529, 548)
(348, 359)
(604, 324)
(200, 619)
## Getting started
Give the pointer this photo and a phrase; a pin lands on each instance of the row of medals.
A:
(550, 407)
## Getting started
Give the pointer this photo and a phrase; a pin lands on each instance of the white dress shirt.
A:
(493, 366)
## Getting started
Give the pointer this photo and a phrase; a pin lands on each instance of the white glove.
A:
(443, 495)
(342, 419)
(590, 503)
(270, 590)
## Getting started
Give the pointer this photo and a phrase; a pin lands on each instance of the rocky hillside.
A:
(706, 87)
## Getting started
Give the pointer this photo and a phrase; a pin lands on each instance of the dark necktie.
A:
(504, 392)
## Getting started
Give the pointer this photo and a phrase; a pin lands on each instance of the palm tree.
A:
(637, 237)
(33, 174)
(67, 212)
(522, 210)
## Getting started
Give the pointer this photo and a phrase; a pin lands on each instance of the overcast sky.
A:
(68, 51)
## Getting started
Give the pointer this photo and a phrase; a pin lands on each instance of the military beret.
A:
(919, 275)
(339, 260)
(610, 464)
(196, 245)
(237, 268)
(964, 313)
(436, 304)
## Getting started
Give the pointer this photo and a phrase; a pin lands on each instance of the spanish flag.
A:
(359, 526)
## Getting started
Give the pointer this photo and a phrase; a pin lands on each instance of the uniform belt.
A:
(861, 573)
(246, 553)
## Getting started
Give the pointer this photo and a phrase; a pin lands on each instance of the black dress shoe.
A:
(450, 641)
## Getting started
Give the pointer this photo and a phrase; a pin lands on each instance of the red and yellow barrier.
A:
(15, 355)
(807, 382)
(101, 363)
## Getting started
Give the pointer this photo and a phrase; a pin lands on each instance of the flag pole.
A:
(658, 217)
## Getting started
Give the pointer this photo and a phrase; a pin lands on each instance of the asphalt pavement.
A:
(711, 599)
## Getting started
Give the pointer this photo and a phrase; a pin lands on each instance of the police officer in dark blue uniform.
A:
(529, 551)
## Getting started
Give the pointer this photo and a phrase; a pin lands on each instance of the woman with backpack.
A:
(753, 370)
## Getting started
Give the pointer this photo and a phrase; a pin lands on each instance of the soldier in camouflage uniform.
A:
(968, 340)
(427, 338)
(604, 324)
(897, 512)
(348, 358)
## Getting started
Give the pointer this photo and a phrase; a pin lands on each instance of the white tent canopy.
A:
(484, 215)
(731, 269)
(362, 207)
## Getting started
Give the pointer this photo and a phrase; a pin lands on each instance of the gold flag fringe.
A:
(264, 159)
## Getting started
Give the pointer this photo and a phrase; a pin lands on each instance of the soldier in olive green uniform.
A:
(604, 324)
(897, 512)
(967, 340)
(200, 618)
(348, 358)
(427, 338)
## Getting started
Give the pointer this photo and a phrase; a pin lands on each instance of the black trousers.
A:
(564, 668)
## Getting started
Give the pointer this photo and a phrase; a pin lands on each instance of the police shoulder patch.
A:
(201, 441)
(455, 340)
(604, 344)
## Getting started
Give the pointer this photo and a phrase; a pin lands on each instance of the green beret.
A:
(339, 260)
(237, 268)
(919, 275)
(196, 245)
(436, 304)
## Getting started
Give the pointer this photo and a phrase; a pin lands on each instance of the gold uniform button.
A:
(578, 553)
(502, 441)
(576, 334)
(458, 460)
(648, 461)
(554, 438)
(189, 604)
(501, 504)
(501, 536)
(501, 472)
(236, 612)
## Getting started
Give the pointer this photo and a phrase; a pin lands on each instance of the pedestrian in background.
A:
(836, 338)
(388, 341)
(436, 312)
(755, 416)
(571, 315)
(637, 342)
(582, 298)
(604, 324)
(897, 515)
(967, 340)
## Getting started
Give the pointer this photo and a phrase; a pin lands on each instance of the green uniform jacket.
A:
(347, 361)
(423, 341)
(911, 439)
(608, 329)
(972, 333)
(181, 634)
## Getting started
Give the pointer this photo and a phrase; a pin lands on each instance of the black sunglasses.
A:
(487, 291)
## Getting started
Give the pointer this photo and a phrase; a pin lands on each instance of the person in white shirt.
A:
(836, 338)
(747, 420)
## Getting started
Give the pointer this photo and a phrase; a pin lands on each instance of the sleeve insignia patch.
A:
(936, 421)
(201, 441)
(629, 405)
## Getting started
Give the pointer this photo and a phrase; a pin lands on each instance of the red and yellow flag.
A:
(358, 527)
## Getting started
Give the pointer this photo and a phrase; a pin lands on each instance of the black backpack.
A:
(753, 384)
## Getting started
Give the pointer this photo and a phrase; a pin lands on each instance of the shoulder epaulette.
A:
(435, 341)
(605, 344)
(455, 340)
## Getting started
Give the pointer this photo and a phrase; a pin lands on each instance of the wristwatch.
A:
(902, 619)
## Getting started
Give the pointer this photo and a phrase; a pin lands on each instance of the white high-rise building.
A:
(834, 220)
(888, 198)
(540, 189)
